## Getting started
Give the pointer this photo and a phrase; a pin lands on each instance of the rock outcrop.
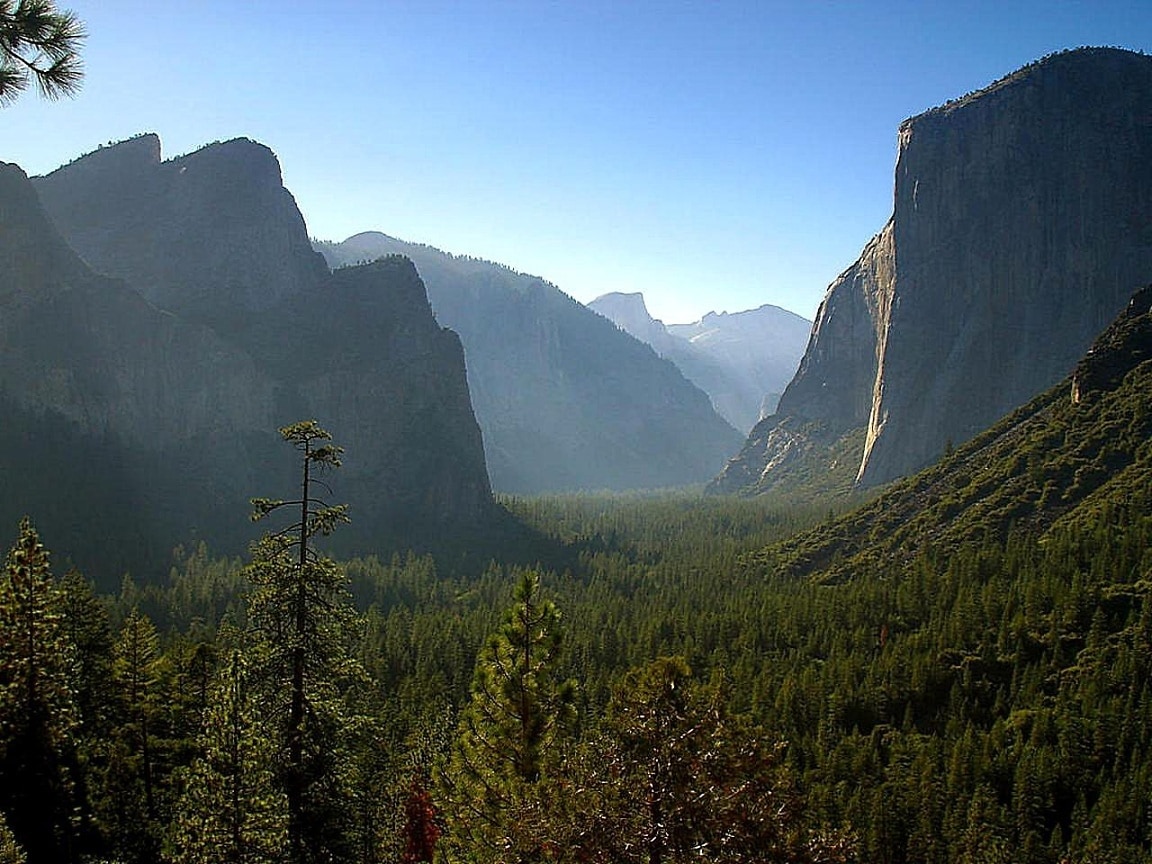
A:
(213, 228)
(565, 400)
(1022, 222)
(142, 408)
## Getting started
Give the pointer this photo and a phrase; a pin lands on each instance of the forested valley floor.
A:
(643, 683)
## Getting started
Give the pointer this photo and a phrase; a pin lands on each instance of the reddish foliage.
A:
(420, 829)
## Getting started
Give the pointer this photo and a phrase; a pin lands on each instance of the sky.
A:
(715, 156)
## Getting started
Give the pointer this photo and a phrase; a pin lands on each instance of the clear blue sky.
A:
(714, 155)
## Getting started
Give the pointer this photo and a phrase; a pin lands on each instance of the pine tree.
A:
(495, 787)
(231, 811)
(38, 43)
(125, 793)
(10, 851)
(38, 712)
(300, 614)
(682, 778)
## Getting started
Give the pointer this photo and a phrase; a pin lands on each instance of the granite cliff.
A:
(214, 227)
(1022, 221)
(150, 397)
(565, 400)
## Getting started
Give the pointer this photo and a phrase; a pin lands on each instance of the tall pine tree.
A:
(38, 712)
(231, 810)
(300, 614)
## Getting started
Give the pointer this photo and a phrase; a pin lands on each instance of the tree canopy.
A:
(39, 44)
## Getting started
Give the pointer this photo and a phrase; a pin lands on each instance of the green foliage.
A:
(495, 787)
(38, 713)
(683, 778)
(231, 810)
(957, 672)
(40, 44)
(299, 618)
(129, 774)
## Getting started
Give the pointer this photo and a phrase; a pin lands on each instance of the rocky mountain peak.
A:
(1124, 345)
(31, 247)
(742, 360)
(231, 233)
(160, 423)
(132, 154)
(629, 312)
(564, 398)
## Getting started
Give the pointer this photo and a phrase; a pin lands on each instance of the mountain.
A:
(1080, 449)
(139, 416)
(742, 360)
(217, 221)
(565, 400)
(1022, 221)
(630, 313)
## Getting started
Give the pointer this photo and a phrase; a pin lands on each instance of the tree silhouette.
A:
(300, 612)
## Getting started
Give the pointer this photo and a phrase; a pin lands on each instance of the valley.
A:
(555, 581)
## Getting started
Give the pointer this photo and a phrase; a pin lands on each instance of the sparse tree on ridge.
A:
(39, 44)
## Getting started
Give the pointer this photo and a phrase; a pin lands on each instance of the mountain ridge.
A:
(742, 360)
(565, 400)
(1083, 443)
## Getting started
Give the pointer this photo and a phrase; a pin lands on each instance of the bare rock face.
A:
(1125, 344)
(215, 225)
(113, 409)
(1022, 222)
(64, 333)
(831, 395)
(130, 428)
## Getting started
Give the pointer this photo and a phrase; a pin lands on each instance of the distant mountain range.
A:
(565, 400)
(742, 360)
(1022, 222)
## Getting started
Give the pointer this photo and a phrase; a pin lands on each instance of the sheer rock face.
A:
(831, 395)
(215, 225)
(168, 416)
(1022, 222)
(93, 351)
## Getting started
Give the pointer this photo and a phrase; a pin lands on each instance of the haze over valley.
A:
(328, 546)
